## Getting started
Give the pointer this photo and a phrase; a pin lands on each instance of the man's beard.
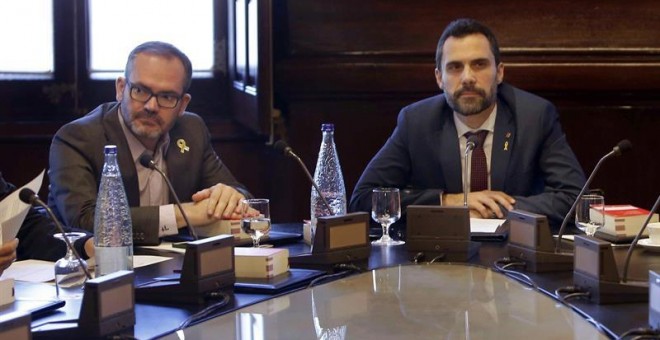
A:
(474, 105)
(144, 132)
(140, 130)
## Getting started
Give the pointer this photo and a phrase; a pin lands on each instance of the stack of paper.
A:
(260, 263)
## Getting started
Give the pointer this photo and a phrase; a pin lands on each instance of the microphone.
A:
(26, 195)
(639, 234)
(285, 149)
(472, 143)
(620, 148)
(324, 253)
(148, 162)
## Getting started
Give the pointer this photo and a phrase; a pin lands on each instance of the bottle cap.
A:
(110, 149)
(327, 127)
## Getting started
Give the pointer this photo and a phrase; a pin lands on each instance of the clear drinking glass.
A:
(256, 218)
(590, 213)
(70, 274)
(386, 209)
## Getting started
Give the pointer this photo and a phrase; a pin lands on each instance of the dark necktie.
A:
(479, 169)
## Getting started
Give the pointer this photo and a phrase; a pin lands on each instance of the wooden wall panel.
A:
(594, 130)
(23, 159)
(344, 27)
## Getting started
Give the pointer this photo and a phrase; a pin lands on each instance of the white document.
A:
(13, 211)
(166, 247)
(138, 261)
(145, 260)
(565, 237)
(31, 271)
(483, 225)
(44, 271)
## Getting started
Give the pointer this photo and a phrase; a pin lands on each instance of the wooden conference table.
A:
(399, 299)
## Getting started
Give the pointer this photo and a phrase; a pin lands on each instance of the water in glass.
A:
(256, 219)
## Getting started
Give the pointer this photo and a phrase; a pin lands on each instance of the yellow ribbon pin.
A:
(182, 145)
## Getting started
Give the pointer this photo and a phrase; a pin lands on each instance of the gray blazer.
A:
(76, 161)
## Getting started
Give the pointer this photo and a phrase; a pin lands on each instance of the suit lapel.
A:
(449, 152)
(115, 135)
(505, 131)
(176, 160)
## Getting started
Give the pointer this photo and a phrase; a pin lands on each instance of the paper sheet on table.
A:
(482, 225)
(138, 261)
(166, 247)
(31, 271)
(43, 271)
(13, 211)
(565, 237)
(145, 260)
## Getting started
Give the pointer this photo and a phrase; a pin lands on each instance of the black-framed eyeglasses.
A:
(144, 94)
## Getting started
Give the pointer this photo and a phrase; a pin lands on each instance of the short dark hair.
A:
(464, 27)
(161, 49)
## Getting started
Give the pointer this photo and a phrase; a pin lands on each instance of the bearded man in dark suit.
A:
(529, 164)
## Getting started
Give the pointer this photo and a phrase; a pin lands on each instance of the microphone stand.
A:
(28, 196)
(634, 242)
(284, 148)
(176, 199)
(147, 161)
(614, 152)
(316, 187)
(469, 146)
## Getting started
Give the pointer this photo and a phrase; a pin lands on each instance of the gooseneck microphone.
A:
(28, 196)
(472, 143)
(620, 148)
(148, 162)
(639, 234)
(285, 149)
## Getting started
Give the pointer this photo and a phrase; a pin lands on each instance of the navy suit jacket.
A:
(531, 159)
(77, 157)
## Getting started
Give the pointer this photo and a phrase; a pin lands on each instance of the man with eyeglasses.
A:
(148, 117)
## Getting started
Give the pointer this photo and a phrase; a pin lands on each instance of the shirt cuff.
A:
(167, 221)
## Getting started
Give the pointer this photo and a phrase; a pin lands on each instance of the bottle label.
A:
(113, 259)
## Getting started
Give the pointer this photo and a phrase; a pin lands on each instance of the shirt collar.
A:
(136, 147)
(489, 124)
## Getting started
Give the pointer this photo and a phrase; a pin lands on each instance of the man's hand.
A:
(89, 247)
(197, 214)
(224, 202)
(8, 254)
(483, 204)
